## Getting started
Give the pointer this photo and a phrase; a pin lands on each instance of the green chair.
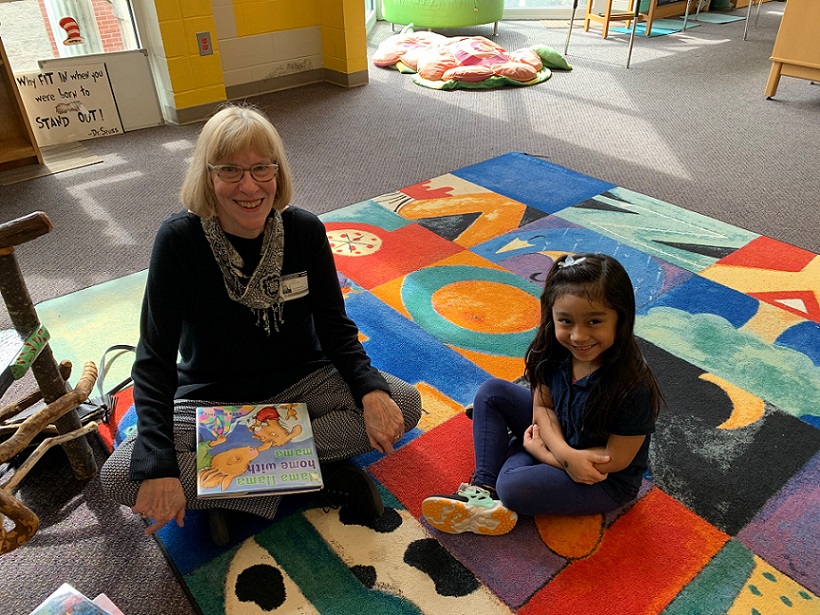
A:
(433, 14)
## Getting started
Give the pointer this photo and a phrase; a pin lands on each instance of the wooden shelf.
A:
(18, 147)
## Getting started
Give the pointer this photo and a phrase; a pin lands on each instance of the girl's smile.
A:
(586, 328)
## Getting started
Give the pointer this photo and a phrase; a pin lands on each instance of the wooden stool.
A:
(607, 16)
(59, 416)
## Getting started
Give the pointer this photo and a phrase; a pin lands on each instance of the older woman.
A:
(242, 305)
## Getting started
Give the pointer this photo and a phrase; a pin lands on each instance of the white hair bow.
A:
(569, 261)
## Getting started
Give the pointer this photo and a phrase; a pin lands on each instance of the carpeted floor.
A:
(443, 279)
(56, 159)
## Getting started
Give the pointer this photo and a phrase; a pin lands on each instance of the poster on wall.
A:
(69, 104)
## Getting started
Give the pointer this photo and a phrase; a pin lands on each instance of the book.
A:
(107, 605)
(255, 450)
(66, 599)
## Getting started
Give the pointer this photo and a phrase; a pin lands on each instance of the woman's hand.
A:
(161, 500)
(580, 465)
(383, 421)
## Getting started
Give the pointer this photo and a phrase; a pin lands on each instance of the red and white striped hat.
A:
(72, 28)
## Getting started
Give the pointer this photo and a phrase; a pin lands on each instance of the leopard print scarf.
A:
(262, 292)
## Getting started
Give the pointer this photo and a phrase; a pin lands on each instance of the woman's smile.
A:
(243, 207)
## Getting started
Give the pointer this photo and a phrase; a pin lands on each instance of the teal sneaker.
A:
(472, 509)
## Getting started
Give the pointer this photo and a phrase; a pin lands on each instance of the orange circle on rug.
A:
(487, 307)
(573, 537)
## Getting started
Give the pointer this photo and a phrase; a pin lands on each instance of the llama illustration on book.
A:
(255, 450)
(268, 427)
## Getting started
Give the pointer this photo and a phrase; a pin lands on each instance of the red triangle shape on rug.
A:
(781, 299)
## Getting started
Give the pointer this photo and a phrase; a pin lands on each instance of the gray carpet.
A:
(687, 123)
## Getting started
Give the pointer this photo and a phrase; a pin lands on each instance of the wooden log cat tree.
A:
(59, 415)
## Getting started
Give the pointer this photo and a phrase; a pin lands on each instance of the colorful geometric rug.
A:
(443, 279)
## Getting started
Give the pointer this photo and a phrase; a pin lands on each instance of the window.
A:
(35, 30)
(369, 14)
(540, 9)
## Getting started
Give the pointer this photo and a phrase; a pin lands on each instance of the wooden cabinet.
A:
(796, 52)
(17, 144)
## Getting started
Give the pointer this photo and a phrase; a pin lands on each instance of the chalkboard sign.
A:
(70, 104)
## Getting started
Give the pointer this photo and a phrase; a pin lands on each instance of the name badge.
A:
(294, 286)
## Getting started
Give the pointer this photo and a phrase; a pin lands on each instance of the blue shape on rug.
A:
(534, 182)
(191, 546)
(701, 296)
(803, 337)
(422, 356)
(551, 235)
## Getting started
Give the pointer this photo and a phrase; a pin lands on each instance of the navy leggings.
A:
(502, 412)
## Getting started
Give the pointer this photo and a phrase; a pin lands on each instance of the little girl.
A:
(577, 441)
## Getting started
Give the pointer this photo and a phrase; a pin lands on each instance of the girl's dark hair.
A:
(602, 279)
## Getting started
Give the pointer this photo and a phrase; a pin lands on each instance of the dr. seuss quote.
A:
(69, 105)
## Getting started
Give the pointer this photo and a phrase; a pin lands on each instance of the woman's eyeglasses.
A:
(233, 174)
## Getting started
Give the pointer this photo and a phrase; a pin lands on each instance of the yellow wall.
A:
(197, 80)
(260, 16)
(344, 38)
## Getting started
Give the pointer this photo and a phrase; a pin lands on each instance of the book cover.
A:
(68, 600)
(105, 603)
(255, 450)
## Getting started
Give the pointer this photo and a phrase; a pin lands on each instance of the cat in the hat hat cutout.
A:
(72, 28)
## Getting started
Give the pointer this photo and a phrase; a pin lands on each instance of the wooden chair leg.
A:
(586, 18)
(25, 523)
(607, 14)
(650, 16)
(774, 79)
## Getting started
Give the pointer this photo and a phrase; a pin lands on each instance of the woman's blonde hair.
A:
(234, 128)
